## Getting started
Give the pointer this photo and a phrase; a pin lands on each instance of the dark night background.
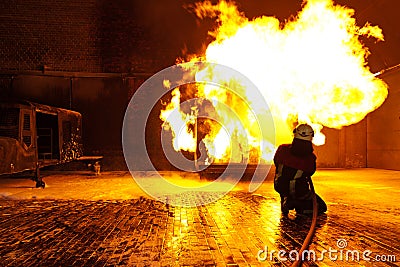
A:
(92, 55)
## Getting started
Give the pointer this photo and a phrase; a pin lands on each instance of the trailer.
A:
(34, 135)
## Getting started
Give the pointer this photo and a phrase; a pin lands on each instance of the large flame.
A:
(312, 69)
(178, 122)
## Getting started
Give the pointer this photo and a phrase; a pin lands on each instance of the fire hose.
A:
(311, 232)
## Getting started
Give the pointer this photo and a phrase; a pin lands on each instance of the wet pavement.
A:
(85, 220)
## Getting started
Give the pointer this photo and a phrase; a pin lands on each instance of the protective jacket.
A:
(295, 163)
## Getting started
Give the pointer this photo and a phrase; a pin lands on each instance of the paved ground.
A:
(84, 220)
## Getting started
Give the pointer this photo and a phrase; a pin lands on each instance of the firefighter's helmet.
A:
(304, 132)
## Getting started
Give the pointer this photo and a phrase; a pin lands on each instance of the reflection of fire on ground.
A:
(310, 69)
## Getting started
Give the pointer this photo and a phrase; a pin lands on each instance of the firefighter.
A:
(295, 164)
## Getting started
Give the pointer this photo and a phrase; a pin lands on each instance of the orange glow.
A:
(312, 69)
(177, 122)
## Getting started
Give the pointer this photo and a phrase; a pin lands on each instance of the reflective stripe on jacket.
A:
(292, 173)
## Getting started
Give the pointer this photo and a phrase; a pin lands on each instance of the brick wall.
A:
(79, 36)
(62, 35)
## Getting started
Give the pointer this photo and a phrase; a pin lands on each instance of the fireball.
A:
(311, 69)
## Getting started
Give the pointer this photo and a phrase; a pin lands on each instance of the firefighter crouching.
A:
(295, 164)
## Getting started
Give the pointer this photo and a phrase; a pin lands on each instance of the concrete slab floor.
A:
(84, 220)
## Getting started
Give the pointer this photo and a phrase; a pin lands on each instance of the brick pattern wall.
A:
(77, 36)
(120, 35)
(143, 36)
(63, 35)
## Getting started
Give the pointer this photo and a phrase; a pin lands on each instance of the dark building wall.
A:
(62, 35)
(103, 102)
(54, 91)
(328, 155)
(355, 145)
(344, 148)
(87, 36)
(383, 128)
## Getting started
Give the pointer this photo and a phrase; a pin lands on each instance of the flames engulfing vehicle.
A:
(34, 135)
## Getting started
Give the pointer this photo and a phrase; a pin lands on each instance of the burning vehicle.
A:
(34, 135)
